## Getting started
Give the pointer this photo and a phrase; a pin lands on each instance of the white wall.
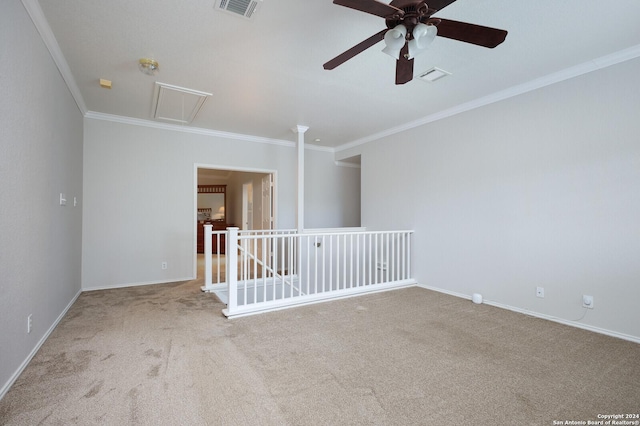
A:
(542, 189)
(332, 192)
(40, 157)
(139, 197)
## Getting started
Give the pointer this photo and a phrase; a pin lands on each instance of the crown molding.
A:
(185, 129)
(37, 16)
(566, 74)
(197, 130)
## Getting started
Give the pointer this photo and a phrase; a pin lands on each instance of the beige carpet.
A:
(164, 355)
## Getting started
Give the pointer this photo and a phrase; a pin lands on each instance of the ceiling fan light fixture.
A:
(414, 13)
(423, 36)
(394, 40)
(148, 66)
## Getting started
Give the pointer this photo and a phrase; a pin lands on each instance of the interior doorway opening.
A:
(249, 203)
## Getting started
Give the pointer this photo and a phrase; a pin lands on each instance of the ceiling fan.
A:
(410, 29)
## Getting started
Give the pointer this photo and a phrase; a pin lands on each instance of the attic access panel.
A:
(177, 104)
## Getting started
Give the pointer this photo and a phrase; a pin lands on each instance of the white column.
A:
(300, 130)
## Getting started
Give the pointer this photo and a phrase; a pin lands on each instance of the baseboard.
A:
(599, 330)
(125, 285)
(35, 350)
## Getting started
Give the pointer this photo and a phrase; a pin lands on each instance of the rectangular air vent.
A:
(433, 74)
(177, 104)
(244, 8)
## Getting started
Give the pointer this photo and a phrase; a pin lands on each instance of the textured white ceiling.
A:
(266, 74)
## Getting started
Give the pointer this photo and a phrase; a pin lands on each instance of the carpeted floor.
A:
(165, 355)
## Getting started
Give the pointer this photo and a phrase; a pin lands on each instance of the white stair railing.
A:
(216, 262)
(278, 269)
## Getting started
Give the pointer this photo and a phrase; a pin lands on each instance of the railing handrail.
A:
(320, 234)
(266, 231)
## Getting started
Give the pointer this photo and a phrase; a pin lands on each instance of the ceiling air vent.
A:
(244, 8)
(433, 74)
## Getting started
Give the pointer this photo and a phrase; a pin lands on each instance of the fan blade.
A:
(373, 7)
(433, 4)
(358, 48)
(470, 33)
(404, 67)
(439, 4)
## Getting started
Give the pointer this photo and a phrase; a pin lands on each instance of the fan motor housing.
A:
(414, 12)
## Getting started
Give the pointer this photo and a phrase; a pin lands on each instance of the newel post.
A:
(232, 270)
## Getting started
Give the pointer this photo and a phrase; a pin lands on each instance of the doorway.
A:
(245, 208)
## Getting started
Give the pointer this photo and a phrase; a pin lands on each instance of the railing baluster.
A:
(291, 262)
(386, 257)
(358, 283)
(375, 243)
(304, 243)
(408, 256)
(264, 268)
(283, 267)
(315, 264)
(369, 250)
(245, 270)
(274, 260)
(404, 254)
(254, 270)
(344, 264)
(393, 257)
(400, 256)
(331, 263)
(338, 262)
(324, 283)
(350, 260)
(218, 259)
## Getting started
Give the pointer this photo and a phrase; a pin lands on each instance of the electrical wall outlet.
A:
(29, 323)
(540, 291)
(587, 301)
(164, 265)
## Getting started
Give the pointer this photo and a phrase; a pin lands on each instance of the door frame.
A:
(194, 187)
(247, 206)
